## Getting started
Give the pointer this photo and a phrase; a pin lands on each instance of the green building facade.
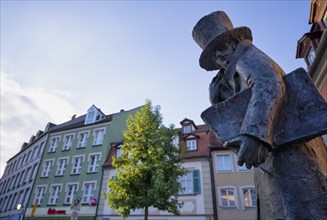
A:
(71, 166)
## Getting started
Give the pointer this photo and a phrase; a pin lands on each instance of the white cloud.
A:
(24, 111)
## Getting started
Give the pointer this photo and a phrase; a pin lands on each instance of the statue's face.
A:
(223, 57)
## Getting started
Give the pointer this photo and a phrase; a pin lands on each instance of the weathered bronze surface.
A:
(270, 120)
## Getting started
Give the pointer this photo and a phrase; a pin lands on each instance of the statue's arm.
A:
(265, 78)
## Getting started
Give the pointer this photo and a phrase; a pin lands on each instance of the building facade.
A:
(19, 175)
(202, 187)
(312, 46)
(71, 166)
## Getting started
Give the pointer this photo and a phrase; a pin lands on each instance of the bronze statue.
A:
(270, 120)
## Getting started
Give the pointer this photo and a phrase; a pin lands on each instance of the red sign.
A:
(56, 212)
(92, 201)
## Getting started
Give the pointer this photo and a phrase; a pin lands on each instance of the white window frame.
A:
(191, 144)
(70, 194)
(228, 189)
(98, 140)
(39, 195)
(78, 168)
(68, 142)
(61, 167)
(54, 192)
(251, 200)
(93, 164)
(47, 165)
(54, 142)
(82, 142)
(90, 193)
(225, 167)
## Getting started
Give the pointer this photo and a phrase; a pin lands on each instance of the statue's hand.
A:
(219, 90)
(252, 152)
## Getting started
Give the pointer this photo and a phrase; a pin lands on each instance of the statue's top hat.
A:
(212, 32)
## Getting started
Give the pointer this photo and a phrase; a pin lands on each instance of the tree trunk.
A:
(146, 213)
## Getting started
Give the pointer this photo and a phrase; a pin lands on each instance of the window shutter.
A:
(196, 182)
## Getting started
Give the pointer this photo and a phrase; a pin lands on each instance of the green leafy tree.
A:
(149, 167)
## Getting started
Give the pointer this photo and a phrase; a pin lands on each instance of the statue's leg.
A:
(292, 183)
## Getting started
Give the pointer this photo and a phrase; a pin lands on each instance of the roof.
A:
(189, 121)
(304, 43)
(317, 10)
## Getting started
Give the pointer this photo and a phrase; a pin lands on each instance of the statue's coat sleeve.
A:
(265, 78)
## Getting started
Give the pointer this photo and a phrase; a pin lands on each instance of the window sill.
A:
(59, 175)
(189, 194)
(77, 148)
(227, 207)
(92, 172)
(65, 150)
(96, 145)
(224, 171)
(43, 177)
(75, 174)
(249, 207)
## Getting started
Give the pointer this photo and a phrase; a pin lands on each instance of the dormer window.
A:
(187, 129)
(93, 115)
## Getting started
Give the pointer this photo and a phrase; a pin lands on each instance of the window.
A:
(90, 116)
(77, 164)
(28, 174)
(61, 166)
(224, 163)
(41, 148)
(93, 115)
(227, 196)
(70, 192)
(47, 164)
(54, 194)
(21, 180)
(23, 160)
(191, 144)
(190, 183)
(28, 158)
(98, 137)
(54, 144)
(88, 191)
(311, 56)
(68, 142)
(249, 197)
(33, 172)
(82, 139)
(119, 152)
(35, 152)
(39, 193)
(93, 163)
(187, 129)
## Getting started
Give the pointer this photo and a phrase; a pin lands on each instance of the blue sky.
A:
(60, 57)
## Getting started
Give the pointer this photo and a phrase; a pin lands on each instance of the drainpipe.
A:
(98, 200)
(213, 186)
